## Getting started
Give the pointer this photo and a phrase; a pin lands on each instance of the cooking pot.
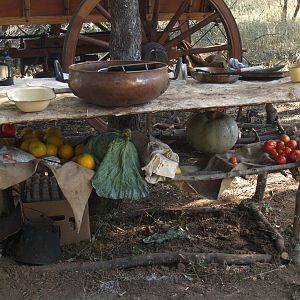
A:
(118, 83)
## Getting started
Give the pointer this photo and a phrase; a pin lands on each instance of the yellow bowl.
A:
(295, 72)
(31, 98)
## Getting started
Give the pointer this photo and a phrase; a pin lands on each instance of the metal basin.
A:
(118, 83)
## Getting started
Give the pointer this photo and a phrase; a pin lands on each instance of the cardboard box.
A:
(60, 211)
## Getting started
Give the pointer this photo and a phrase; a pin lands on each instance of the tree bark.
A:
(125, 41)
(284, 10)
(296, 10)
(125, 44)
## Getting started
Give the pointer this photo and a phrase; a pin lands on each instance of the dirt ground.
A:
(120, 233)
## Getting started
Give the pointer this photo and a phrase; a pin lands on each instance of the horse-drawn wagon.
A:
(170, 29)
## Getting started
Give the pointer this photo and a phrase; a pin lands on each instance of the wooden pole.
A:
(260, 187)
(296, 228)
(151, 259)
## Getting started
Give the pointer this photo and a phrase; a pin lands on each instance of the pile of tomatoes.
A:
(282, 151)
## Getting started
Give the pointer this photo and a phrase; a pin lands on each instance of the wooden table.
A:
(180, 96)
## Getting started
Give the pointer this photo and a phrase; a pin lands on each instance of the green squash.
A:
(212, 132)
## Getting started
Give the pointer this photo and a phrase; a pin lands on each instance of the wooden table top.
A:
(180, 95)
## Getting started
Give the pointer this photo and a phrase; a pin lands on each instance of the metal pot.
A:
(118, 83)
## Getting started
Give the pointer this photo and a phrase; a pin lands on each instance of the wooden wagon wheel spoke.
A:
(104, 12)
(166, 25)
(93, 41)
(211, 18)
(191, 51)
(173, 21)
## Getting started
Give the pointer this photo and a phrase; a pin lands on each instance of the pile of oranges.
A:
(51, 143)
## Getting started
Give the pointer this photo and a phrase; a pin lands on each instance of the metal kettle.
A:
(38, 243)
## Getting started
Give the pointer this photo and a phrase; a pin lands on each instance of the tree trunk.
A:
(125, 44)
(284, 10)
(296, 10)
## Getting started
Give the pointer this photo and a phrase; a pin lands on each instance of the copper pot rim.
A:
(76, 67)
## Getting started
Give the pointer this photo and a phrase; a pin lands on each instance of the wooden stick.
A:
(151, 259)
(296, 228)
(211, 175)
(248, 140)
(279, 240)
(260, 187)
(260, 125)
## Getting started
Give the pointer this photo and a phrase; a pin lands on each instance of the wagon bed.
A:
(206, 26)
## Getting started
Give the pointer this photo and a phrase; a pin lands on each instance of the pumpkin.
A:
(212, 132)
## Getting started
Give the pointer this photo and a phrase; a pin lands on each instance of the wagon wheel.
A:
(181, 36)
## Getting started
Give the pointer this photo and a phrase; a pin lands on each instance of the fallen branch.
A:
(151, 259)
(275, 235)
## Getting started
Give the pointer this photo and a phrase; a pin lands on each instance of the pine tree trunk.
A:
(125, 44)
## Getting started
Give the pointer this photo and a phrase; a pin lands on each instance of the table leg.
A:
(296, 228)
(260, 187)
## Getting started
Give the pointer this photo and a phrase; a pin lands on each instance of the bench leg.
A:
(260, 188)
(296, 229)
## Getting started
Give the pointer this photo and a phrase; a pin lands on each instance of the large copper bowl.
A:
(118, 88)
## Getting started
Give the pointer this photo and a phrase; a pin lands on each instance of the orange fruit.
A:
(178, 171)
(51, 149)
(79, 149)
(24, 131)
(54, 140)
(25, 144)
(28, 135)
(53, 131)
(37, 149)
(86, 160)
(39, 134)
(65, 152)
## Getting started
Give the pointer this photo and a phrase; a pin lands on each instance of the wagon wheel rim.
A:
(221, 14)
(73, 33)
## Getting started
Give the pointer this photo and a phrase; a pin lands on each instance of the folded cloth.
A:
(162, 162)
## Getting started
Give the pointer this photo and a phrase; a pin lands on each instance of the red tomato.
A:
(285, 138)
(292, 144)
(280, 160)
(287, 151)
(280, 145)
(233, 160)
(273, 154)
(269, 145)
(280, 151)
(8, 130)
(294, 155)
